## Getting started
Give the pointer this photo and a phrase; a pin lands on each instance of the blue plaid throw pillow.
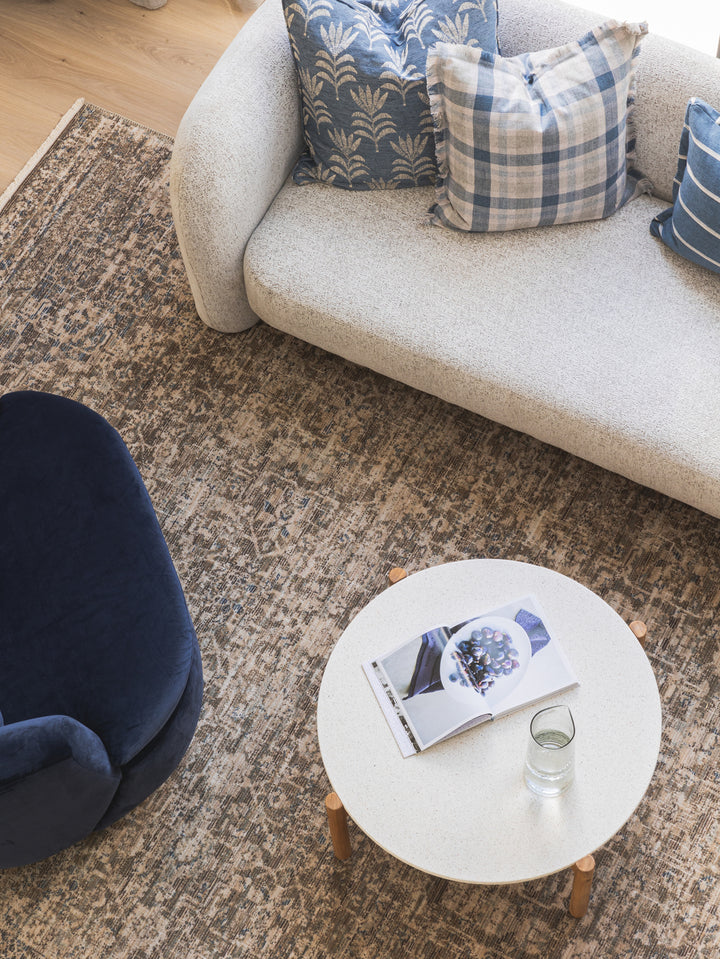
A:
(535, 139)
(691, 226)
(361, 71)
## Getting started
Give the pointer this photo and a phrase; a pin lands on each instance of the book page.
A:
(418, 708)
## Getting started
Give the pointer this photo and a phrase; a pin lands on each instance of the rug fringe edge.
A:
(41, 151)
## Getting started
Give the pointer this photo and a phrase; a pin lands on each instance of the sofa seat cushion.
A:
(591, 336)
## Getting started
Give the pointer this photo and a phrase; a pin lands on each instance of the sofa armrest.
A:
(234, 149)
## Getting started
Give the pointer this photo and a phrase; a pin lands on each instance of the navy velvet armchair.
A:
(100, 671)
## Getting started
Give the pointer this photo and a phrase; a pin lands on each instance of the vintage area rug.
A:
(287, 483)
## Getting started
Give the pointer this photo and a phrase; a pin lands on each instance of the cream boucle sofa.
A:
(592, 336)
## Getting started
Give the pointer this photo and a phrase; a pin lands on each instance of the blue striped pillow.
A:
(691, 226)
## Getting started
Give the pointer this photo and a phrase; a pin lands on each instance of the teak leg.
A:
(583, 871)
(640, 630)
(338, 822)
(396, 574)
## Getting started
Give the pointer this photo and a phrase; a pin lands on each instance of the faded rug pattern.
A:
(287, 483)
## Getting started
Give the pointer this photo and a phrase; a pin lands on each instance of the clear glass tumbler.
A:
(550, 761)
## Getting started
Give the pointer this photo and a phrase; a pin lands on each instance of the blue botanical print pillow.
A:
(691, 226)
(361, 71)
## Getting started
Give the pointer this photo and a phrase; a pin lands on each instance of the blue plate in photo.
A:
(484, 661)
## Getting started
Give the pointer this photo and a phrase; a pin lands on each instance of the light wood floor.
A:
(144, 64)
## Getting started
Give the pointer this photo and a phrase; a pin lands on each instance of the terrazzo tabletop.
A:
(461, 809)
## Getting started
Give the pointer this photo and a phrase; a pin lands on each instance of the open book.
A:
(453, 677)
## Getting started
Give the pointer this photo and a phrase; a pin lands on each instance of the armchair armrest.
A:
(234, 149)
(56, 781)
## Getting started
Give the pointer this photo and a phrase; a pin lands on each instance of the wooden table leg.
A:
(338, 822)
(583, 871)
(396, 574)
(640, 632)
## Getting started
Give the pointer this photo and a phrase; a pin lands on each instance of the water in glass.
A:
(549, 765)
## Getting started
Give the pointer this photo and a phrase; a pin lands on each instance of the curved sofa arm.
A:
(56, 781)
(234, 149)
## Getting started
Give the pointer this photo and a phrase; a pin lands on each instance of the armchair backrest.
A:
(95, 625)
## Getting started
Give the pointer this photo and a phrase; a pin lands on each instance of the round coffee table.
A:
(461, 809)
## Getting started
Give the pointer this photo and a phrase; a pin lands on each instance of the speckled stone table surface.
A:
(461, 809)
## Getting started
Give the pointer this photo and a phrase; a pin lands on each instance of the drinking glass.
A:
(550, 761)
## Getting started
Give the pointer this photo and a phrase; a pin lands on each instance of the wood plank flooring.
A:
(144, 64)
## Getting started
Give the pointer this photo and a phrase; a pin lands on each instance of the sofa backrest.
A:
(668, 75)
